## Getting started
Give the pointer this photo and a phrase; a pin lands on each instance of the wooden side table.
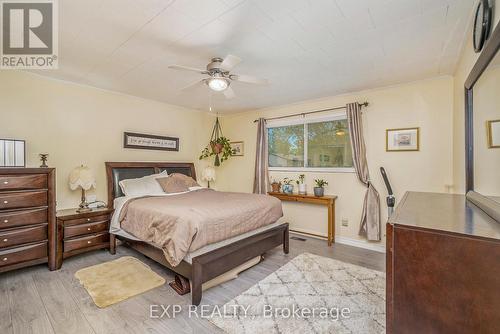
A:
(329, 201)
(79, 232)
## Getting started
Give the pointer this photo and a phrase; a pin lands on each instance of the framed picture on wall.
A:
(237, 147)
(493, 129)
(405, 139)
(150, 142)
(12, 153)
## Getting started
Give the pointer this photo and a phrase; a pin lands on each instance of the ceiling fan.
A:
(220, 78)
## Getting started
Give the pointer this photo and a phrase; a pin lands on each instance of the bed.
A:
(208, 262)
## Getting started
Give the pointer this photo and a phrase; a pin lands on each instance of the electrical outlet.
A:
(345, 222)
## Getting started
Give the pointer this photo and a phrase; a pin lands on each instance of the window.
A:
(321, 144)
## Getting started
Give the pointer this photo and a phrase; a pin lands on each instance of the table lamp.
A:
(208, 174)
(82, 177)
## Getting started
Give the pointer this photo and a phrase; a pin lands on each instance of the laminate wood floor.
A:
(35, 300)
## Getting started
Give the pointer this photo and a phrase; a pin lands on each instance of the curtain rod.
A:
(364, 104)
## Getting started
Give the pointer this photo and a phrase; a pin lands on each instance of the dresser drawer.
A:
(23, 199)
(22, 218)
(22, 254)
(84, 242)
(23, 236)
(19, 182)
(83, 229)
(95, 219)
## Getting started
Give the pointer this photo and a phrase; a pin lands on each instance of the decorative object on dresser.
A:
(400, 140)
(82, 177)
(319, 190)
(43, 158)
(12, 153)
(27, 218)
(328, 201)
(238, 148)
(150, 142)
(79, 232)
(208, 175)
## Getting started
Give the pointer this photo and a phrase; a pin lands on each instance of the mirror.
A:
(12, 153)
(486, 121)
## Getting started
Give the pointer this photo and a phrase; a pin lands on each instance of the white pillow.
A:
(143, 186)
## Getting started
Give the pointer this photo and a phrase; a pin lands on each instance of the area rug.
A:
(111, 282)
(310, 294)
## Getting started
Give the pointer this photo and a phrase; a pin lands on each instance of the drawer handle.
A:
(88, 219)
(5, 182)
(5, 240)
(88, 228)
(5, 202)
(6, 221)
(4, 259)
(89, 242)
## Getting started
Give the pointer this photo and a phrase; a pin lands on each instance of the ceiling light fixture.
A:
(218, 83)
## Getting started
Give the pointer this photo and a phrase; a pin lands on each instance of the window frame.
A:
(305, 120)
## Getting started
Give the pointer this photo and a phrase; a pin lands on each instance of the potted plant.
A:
(276, 186)
(319, 190)
(302, 185)
(287, 186)
(218, 146)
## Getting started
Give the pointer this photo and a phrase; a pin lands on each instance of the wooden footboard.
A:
(214, 263)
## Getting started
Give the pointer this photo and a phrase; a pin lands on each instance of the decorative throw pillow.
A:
(144, 186)
(176, 183)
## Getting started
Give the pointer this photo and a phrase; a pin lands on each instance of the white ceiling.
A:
(307, 49)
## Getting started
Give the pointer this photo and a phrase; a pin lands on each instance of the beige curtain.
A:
(261, 180)
(370, 217)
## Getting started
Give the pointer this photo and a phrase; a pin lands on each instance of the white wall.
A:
(425, 104)
(83, 125)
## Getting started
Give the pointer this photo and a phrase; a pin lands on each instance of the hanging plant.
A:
(218, 146)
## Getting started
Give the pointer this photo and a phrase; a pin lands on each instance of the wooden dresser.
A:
(27, 217)
(83, 232)
(443, 267)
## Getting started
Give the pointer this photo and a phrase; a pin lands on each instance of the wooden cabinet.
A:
(83, 232)
(443, 267)
(27, 218)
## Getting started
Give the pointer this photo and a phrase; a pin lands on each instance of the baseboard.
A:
(377, 247)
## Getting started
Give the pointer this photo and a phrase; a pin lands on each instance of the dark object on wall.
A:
(390, 199)
(150, 142)
(443, 269)
(490, 50)
(43, 157)
(12, 153)
(208, 265)
(27, 218)
(482, 24)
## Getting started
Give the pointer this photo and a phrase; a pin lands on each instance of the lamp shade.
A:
(81, 177)
(208, 174)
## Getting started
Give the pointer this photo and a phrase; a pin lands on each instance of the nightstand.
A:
(82, 232)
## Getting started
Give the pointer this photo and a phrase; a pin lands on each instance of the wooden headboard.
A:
(117, 171)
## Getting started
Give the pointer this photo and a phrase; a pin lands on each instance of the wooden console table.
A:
(329, 201)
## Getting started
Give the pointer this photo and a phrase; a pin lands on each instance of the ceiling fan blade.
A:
(229, 62)
(194, 84)
(249, 79)
(187, 68)
(229, 93)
